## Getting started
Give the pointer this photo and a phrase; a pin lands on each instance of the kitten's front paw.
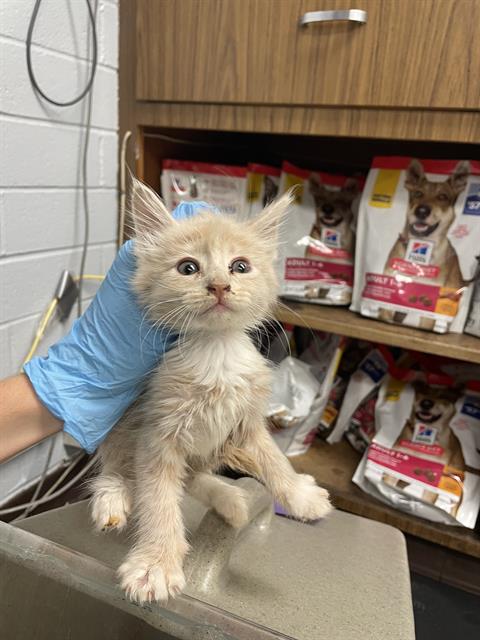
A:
(150, 582)
(110, 509)
(308, 501)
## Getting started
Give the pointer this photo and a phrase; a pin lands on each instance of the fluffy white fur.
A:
(205, 404)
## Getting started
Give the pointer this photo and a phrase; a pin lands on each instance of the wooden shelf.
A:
(333, 467)
(344, 322)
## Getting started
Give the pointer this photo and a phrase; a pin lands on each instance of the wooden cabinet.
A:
(409, 54)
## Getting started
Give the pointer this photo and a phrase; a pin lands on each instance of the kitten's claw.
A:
(110, 509)
(147, 582)
(308, 501)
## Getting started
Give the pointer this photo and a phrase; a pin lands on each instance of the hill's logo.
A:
(424, 434)
(331, 237)
(419, 251)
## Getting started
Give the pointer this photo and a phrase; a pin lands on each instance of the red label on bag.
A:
(306, 269)
(428, 449)
(408, 294)
(416, 468)
(320, 249)
(413, 269)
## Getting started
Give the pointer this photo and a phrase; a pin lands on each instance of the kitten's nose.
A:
(328, 208)
(218, 290)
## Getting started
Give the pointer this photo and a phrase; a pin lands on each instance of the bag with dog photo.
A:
(316, 261)
(223, 185)
(263, 183)
(417, 242)
(425, 457)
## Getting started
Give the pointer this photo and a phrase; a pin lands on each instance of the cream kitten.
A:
(211, 279)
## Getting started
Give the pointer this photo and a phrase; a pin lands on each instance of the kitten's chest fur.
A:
(207, 387)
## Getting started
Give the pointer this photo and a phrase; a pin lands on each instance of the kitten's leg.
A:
(228, 501)
(297, 493)
(111, 500)
(153, 568)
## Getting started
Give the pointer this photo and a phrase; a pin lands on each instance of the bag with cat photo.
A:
(316, 260)
(425, 456)
(417, 242)
(224, 186)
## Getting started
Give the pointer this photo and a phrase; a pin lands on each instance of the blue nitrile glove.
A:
(91, 376)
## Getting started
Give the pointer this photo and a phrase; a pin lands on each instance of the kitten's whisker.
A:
(302, 323)
(163, 322)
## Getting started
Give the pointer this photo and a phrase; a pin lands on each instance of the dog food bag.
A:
(316, 261)
(263, 183)
(473, 322)
(362, 386)
(417, 238)
(424, 458)
(353, 353)
(222, 185)
(362, 427)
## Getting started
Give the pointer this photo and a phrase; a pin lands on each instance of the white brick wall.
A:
(41, 211)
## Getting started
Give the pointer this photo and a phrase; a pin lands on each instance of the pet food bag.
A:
(263, 183)
(362, 428)
(424, 458)
(362, 386)
(222, 185)
(316, 261)
(473, 322)
(417, 239)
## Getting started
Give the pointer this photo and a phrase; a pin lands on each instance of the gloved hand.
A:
(91, 376)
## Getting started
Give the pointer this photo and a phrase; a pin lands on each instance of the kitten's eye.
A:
(188, 267)
(240, 265)
(443, 197)
(418, 194)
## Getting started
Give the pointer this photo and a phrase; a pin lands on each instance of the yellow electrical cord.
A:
(46, 319)
(89, 276)
(41, 329)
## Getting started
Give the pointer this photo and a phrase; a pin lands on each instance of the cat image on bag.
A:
(211, 279)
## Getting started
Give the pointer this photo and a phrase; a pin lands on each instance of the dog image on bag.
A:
(429, 216)
(333, 211)
(427, 432)
(333, 225)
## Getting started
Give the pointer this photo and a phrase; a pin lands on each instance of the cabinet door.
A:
(410, 53)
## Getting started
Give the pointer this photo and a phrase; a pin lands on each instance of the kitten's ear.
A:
(148, 211)
(267, 224)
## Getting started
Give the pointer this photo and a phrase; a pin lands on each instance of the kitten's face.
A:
(209, 272)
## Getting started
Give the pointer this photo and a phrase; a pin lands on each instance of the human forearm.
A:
(24, 420)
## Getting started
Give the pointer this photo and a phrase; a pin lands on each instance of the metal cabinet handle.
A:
(351, 15)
